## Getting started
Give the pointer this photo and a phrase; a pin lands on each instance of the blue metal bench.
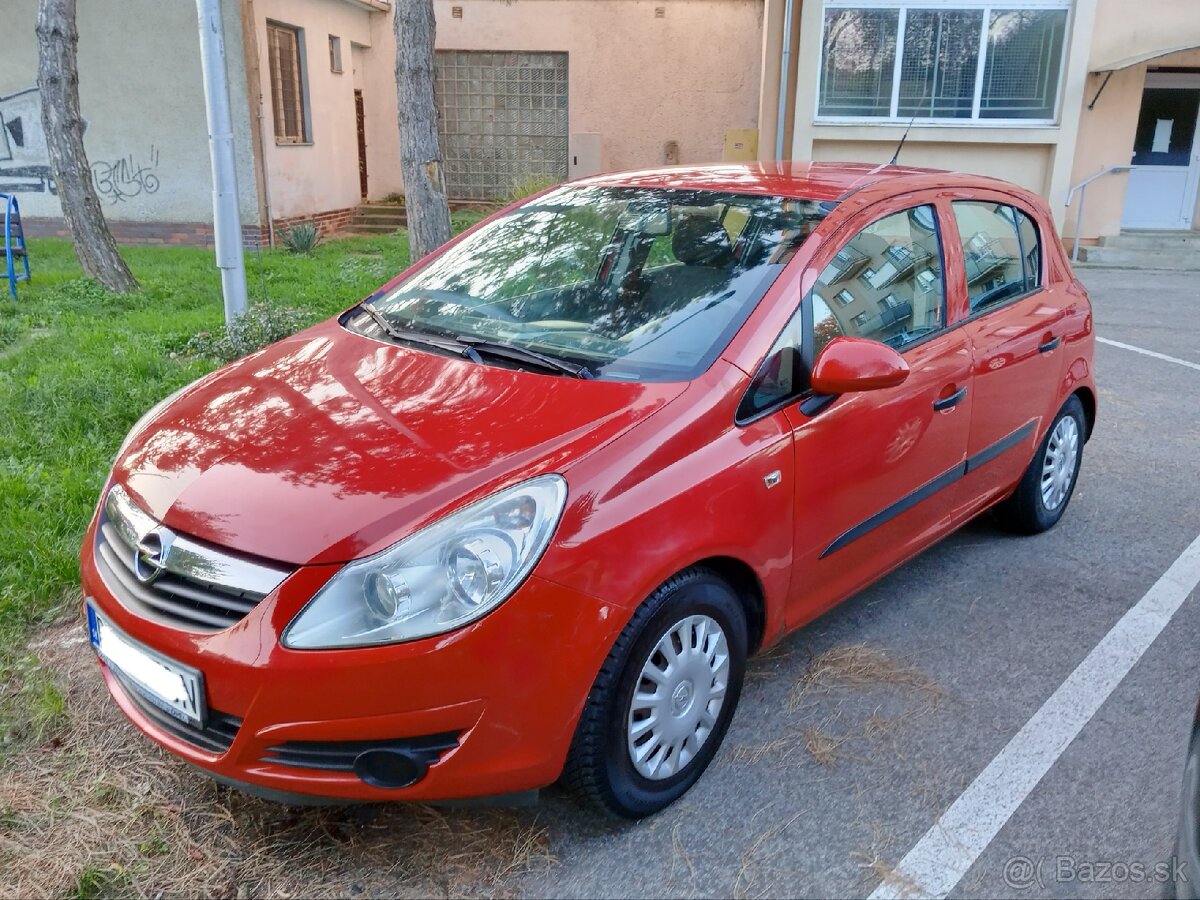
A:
(16, 256)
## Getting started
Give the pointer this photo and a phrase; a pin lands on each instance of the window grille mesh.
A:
(902, 61)
(1025, 48)
(859, 58)
(941, 56)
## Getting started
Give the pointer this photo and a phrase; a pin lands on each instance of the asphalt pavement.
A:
(824, 785)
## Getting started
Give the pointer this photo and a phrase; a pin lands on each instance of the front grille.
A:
(216, 736)
(339, 756)
(174, 579)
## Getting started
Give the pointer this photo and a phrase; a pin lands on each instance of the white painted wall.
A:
(141, 94)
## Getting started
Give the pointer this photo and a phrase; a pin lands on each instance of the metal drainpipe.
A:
(227, 226)
(784, 68)
(266, 175)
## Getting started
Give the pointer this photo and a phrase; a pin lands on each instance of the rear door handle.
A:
(951, 401)
(1049, 345)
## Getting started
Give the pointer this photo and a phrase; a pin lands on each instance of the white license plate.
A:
(176, 689)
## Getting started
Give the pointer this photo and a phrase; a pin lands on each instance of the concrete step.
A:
(1176, 259)
(373, 228)
(1154, 240)
(388, 209)
(397, 221)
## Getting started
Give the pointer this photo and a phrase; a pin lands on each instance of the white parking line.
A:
(1156, 355)
(944, 854)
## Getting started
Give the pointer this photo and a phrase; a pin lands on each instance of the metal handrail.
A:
(1081, 189)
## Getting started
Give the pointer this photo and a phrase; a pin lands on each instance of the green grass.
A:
(78, 366)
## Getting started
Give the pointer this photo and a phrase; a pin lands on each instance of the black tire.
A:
(599, 767)
(1025, 511)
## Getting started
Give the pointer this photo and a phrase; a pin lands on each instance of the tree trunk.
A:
(58, 82)
(420, 151)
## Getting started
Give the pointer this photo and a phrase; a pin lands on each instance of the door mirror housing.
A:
(850, 364)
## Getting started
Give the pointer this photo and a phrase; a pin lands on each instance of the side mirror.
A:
(850, 364)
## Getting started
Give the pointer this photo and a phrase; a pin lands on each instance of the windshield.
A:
(631, 283)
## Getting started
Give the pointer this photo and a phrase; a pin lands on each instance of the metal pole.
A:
(785, 65)
(227, 226)
(1079, 222)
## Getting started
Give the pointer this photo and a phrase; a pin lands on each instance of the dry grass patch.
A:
(828, 707)
(859, 666)
(98, 810)
(822, 746)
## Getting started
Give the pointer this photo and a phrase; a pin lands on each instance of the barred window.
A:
(285, 45)
(1024, 55)
(971, 61)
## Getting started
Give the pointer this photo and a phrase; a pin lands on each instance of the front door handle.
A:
(1047, 346)
(951, 401)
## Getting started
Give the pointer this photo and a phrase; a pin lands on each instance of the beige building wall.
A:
(143, 103)
(637, 80)
(1128, 45)
(323, 173)
(1037, 157)
(1102, 34)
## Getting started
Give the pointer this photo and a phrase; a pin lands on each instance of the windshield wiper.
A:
(396, 333)
(524, 354)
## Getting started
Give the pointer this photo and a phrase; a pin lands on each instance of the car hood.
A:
(329, 446)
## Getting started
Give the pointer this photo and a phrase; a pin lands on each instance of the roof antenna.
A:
(900, 146)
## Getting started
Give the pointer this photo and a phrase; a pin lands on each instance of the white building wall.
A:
(141, 95)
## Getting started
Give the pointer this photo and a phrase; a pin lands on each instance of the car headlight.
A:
(448, 574)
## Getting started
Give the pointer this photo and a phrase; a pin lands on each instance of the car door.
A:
(871, 468)
(1015, 324)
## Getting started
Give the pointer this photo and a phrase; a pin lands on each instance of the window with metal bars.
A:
(963, 62)
(285, 46)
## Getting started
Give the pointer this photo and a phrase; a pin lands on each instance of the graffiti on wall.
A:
(125, 178)
(25, 159)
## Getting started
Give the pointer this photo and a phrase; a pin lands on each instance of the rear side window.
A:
(1001, 251)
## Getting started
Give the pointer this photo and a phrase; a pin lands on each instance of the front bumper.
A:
(510, 686)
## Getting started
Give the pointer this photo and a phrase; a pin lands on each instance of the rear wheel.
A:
(1045, 489)
(663, 699)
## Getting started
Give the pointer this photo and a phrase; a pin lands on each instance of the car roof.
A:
(802, 180)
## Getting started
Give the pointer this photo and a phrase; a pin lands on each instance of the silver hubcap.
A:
(678, 697)
(1058, 466)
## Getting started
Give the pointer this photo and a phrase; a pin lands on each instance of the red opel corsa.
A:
(522, 513)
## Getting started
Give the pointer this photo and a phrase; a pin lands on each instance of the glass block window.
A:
(502, 119)
(957, 62)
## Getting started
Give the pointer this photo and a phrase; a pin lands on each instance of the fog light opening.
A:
(388, 768)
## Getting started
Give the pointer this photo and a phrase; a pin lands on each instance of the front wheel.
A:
(663, 699)
(1045, 489)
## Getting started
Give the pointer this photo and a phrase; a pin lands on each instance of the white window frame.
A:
(974, 121)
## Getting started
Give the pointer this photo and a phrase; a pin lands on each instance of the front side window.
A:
(285, 45)
(970, 61)
(635, 284)
(998, 268)
(902, 300)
